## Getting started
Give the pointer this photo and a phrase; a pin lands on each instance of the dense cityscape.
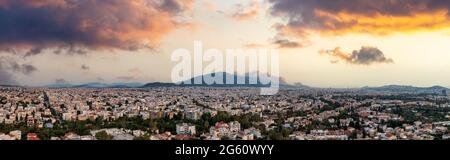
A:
(208, 113)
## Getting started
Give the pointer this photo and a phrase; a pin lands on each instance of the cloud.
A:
(246, 12)
(100, 79)
(9, 66)
(374, 17)
(364, 56)
(209, 6)
(31, 26)
(254, 45)
(126, 78)
(26, 69)
(286, 43)
(135, 71)
(61, 81)
(6, 78)
(85, 67)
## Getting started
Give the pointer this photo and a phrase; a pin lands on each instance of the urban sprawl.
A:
(203, 113)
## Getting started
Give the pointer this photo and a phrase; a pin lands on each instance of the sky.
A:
(322, 43)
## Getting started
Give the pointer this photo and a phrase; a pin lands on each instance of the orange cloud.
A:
(380, 17)
(254, 45)
(209, 6)
(246, 12)
(380, 24)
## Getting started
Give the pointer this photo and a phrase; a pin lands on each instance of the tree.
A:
(225, 138)
(285, 133)
(274, 135)
(206, 125)
(245, 122)
(142, 137)
(353, 135)
(102, 135)
(221, 116)
(153, 125)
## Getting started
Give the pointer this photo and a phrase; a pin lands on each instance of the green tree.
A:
(102, 135)
(274, 135)
(225, 138)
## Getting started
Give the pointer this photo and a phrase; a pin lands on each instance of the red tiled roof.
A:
(32, 136)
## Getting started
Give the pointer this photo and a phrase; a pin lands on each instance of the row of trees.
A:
(135, 123)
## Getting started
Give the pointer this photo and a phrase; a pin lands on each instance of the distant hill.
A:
(283, 84)
(408, 89)
(125, 85)
(2, 85)
(59, 85)
(92, 85)
(96, 85)
(158, 84)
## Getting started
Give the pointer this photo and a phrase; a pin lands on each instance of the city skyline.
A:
(223, 113)
(322, 43)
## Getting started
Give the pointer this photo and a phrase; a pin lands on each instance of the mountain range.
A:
(247, 77)
(225, 76)
(96, 85)
(408, 89)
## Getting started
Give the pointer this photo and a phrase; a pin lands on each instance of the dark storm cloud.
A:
(367, 7)
(10, 66)
(176, 5)
(13, 65)
(378, 17)
(22, 68)
(30, 26)
(6, 78)
(364, 56)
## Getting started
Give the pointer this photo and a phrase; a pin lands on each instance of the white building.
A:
(185, 129)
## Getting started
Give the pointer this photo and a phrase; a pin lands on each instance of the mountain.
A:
(298, 85)
(247, 77)
(125, 85)
(96, 85)
(283, 84)
(92, 85)
(6, 86)
(408, 89)
(227, 76)
(158, 84)
(59, 85)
